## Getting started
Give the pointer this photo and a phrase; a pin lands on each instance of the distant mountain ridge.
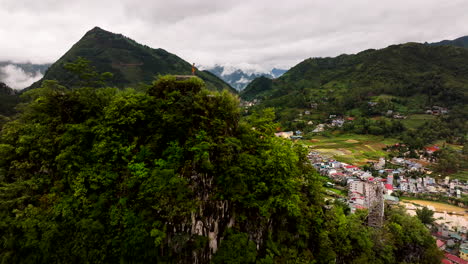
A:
(130, 62)
(459, 42)
(238, 78)
(21, 75)
(418, 75)
(28, 67)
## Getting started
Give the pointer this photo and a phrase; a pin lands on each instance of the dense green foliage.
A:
(450, 161)
(173, 175)
(416, 75)
(425, 215)
(8, 100)
(385, 127)
(129, 62)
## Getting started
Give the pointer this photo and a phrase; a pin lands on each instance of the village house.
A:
(464, 251)
(398, 116)
(319, 128)
(388, 188)
(440, 244)
(287, 134)
(454, 259)
(337, 122)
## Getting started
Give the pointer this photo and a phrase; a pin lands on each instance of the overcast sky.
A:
(258, 34)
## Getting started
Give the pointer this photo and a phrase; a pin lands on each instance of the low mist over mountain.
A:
(21, 75)
(238, 78)
(130, 62)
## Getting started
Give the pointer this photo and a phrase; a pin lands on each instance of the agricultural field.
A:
(415, 121)
(336, 191)
(437, 206)
(351, 148)
(461, 175)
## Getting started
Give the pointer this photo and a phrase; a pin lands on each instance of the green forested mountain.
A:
(8, 100)
(418, 75)
(173, 175)
(459, 42)
(130, 62)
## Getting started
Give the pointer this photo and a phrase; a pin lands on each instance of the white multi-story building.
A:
(356, 186)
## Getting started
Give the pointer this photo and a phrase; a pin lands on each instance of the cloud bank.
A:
(242, 33)
(17, 78)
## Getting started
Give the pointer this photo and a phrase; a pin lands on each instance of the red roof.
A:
(350, 118)
(446, 261)
(350, 166)
(433, 148)
(440, 243)
(455, 259)
(338, 173)
(389, 187)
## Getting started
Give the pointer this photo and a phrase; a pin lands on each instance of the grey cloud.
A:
(17, 78)
(250, 34)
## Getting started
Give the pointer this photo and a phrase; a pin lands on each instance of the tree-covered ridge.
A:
(8, 100)
(459, 42)
(436, 75)
(130, 62)
(173, 175)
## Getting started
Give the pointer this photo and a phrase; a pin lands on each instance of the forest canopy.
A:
(173, 174)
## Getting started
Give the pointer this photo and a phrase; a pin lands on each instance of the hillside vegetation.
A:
(8, 100)
(459, 42)
(130, 62)
(417, 75)
(173, 175)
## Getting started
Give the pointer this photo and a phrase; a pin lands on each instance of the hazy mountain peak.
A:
(240, 77)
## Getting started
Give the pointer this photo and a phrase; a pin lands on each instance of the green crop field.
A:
(339, 192)
(415, 121)
(461, 175)
(351, 148)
